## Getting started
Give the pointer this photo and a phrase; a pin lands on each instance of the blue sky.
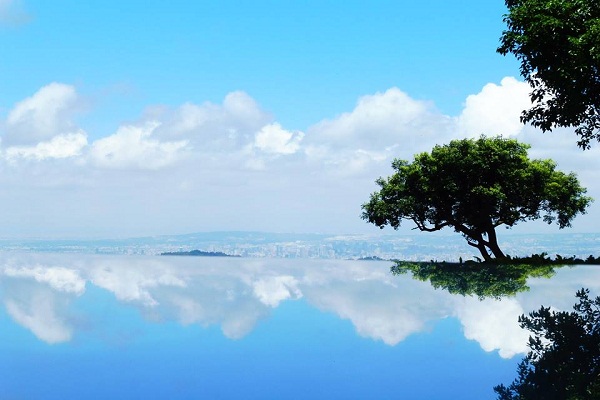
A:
(140, 118)
(302, 60)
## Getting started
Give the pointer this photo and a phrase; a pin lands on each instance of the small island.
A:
(198, 253)
(371, 258)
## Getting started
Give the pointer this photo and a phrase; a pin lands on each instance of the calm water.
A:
(80, 326)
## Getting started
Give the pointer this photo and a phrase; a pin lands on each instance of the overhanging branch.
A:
(422, 227)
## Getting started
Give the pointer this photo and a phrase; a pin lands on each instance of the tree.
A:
(557, 43)
(564, 357)
(474, 186)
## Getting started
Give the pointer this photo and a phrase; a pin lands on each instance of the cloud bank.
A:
(213, 157)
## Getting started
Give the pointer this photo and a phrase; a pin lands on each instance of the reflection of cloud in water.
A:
(379, 310)
(59, 278)
(40, 308)
(274, 289)
(133, 281)
(39, 315)
(492, 324)
(38, 295)
(37, 291)
(226, 302)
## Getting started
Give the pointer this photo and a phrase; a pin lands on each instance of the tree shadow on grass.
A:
(487, 279)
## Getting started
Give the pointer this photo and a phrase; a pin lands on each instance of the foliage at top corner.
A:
(474, 186)
(558, 45)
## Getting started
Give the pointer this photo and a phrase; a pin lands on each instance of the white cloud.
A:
(356, 162)
(42, 116)
(244, 110)
(134, 147)
(274, 139)
(60, 146)
(381, 127)
(212, 127)
(496, 110)
(383, 120)
(212, 152)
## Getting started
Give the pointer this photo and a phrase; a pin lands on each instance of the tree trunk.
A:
(493, 244)
(484, 252)
(476, 240)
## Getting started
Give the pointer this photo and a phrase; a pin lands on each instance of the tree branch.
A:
(422, 227)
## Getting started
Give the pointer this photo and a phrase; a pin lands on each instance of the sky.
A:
(138, 118)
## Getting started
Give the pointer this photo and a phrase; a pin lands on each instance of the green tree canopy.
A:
(474, 186)
(558, 45)
(564, 357)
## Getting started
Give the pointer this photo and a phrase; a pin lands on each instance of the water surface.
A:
(85, 326)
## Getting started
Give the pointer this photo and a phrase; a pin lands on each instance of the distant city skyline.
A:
(130, 119)
(420, 247)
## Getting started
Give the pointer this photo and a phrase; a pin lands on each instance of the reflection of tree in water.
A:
(481, 279)
(485, 279)
(488, 279)
(564, 357)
